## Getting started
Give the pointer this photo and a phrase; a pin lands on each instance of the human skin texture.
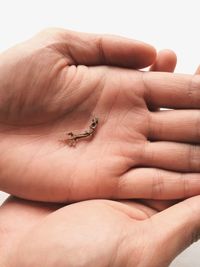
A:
(57, 82)
(99, 233)
(114, 233)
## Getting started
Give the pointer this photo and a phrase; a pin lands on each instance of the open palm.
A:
(56, 83)
(95, 233)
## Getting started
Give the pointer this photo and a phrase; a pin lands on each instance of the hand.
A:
(166, 61)
(98, 233)
(56, 82)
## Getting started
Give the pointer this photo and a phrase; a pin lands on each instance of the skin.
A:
(98, 233)
(118, 229)
(54, 84)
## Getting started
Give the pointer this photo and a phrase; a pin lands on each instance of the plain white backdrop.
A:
(165, 24)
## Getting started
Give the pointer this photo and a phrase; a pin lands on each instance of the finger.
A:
(158, 205)
(172, 156)
(175, 125)
(152, 183)
(93, 49)
(178, 226)
(198, 70)
(165, 61)
(169, 90)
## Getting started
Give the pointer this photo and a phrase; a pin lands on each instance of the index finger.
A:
(169, 90)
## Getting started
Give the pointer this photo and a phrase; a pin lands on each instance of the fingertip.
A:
(166, 61)
(197, 72)
(151, 57)
(170, 57)
(148, 55)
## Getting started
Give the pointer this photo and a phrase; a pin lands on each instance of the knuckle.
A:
(157, 185)
(197, 126)
(156, 127)
(193, 91)
(185, 183)
(193, 158)
(99, 42)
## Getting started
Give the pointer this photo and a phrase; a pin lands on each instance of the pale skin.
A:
(53, 83)
(115, 234)
(98, 233)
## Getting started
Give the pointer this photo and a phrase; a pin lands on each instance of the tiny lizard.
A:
(73, 138)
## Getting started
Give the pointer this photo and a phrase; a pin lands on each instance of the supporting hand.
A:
(98, 233)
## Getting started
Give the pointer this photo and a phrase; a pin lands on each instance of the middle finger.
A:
(169, 90)
(175, 125)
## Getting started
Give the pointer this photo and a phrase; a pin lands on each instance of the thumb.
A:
(177, 227)
(95, 49)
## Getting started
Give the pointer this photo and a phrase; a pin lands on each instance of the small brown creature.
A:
(73, 138)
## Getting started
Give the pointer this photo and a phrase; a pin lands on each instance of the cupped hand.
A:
(56, 83)
(97, 233)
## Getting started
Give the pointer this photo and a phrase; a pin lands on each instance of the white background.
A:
(165, 24)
